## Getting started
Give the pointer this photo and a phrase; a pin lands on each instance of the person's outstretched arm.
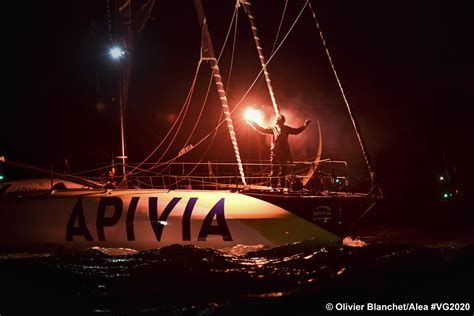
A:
(259, 129)
(296, 131)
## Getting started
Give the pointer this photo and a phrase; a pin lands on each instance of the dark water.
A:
(297, 279)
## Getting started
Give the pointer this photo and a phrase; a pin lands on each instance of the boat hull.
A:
(149, 219)
(337, 212)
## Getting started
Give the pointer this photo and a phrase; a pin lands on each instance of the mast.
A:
(125, 30)
(127, 38)
(207, 53)
(122, 132)
(118, 53)
(246, 5)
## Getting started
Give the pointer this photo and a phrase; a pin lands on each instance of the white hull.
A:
(148, 219)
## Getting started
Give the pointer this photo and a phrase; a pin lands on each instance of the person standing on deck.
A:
(280, 149)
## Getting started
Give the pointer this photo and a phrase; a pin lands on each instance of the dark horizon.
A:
(404, 67)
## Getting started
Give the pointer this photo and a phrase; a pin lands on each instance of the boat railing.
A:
(323, 174)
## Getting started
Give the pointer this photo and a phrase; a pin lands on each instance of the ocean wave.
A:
(188, 280)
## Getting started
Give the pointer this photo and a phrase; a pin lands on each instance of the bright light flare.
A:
(116, 52)
(253, 115)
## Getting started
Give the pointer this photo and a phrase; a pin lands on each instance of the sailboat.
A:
(213, 210)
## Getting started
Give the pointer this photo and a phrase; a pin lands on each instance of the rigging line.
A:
(355, 123)
(192, 132)
(257, 77)
(186, 107)
(233, 47)
(259, 49)
(234, 17)
(174, 123)
(228, 33)
(81, 180)
(200, 161)
(150, 4)
(262, 169)
(279, 27)
(235, 21)
(183, 108)
(246, 5)
(236, 13)
(271, 57)
(181, 123)
(198, 143)
(147, 170)
(259, 152)
(87, 171)
(208, 49)
(214, 130)
(200, 113)
(210, 81)
(207, 149)
(229, 77)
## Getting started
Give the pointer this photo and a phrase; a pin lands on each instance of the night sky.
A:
(405, 67)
